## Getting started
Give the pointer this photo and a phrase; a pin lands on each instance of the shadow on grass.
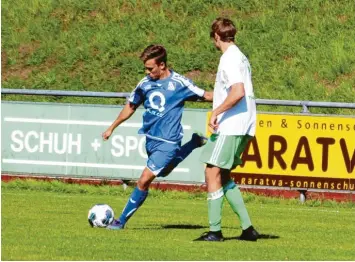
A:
(261, 236)
(175, 226)
(182, 226)
(189, 226)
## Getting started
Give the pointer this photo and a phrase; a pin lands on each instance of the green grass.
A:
(299, 50)
(48, 221)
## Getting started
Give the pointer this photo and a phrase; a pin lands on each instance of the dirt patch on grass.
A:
(115, 72)
(197, 75)
(93, 13)
(25, 50)
(228, 12)
(331, 85)
(342, 18)
(77, 68)
(193, 74)
(3, 61)
(22, 73)
(20, 69)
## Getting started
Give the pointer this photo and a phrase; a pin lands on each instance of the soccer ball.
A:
(100, 215)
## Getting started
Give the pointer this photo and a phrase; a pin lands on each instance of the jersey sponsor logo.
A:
(157, 105)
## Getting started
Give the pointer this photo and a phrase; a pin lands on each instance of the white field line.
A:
(79, 164)
(72, 122)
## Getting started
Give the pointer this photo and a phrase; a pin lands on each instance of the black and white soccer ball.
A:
(100, 215)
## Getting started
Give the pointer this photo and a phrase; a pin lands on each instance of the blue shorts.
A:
(160, 155)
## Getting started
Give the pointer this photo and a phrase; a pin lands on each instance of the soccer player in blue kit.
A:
(163, 93)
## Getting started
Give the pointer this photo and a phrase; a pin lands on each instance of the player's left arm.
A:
(193, 92)
(201, 94)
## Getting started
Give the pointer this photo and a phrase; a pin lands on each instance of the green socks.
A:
(215, 203)
(235, 199)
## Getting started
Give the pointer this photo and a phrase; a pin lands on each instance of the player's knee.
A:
(143, 185)
(145, 180)
(212, 172)
(213, 179)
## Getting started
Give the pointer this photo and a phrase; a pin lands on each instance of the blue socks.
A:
(134, 202)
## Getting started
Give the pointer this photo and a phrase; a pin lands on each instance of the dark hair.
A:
(157, 52)
(223, 27)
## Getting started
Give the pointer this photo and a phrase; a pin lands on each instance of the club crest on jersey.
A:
(147, 87)
(171, 86)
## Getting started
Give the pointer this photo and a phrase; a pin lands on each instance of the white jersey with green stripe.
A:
(234, 68)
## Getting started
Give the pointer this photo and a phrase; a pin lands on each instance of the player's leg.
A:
(235, 200)
(210, 156)
(159, 156)
(232, 192)
(135, 200)
(215, 204)
(197, 140)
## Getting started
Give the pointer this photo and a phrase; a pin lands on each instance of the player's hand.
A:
(213, 125)
(106, 135)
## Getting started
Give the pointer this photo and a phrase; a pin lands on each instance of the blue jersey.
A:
(164, 100)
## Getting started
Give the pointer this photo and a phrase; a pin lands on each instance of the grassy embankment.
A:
(299, 50)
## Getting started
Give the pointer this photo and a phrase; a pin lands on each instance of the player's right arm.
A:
(233, 74)
(236, 94)
(135, 99)
(127, 111)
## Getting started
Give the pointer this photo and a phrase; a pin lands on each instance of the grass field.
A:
(48, 221)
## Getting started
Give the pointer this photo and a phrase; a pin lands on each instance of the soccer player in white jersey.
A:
(163, 93)
(233, 125)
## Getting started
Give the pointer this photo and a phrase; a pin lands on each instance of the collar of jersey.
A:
(163, 80)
